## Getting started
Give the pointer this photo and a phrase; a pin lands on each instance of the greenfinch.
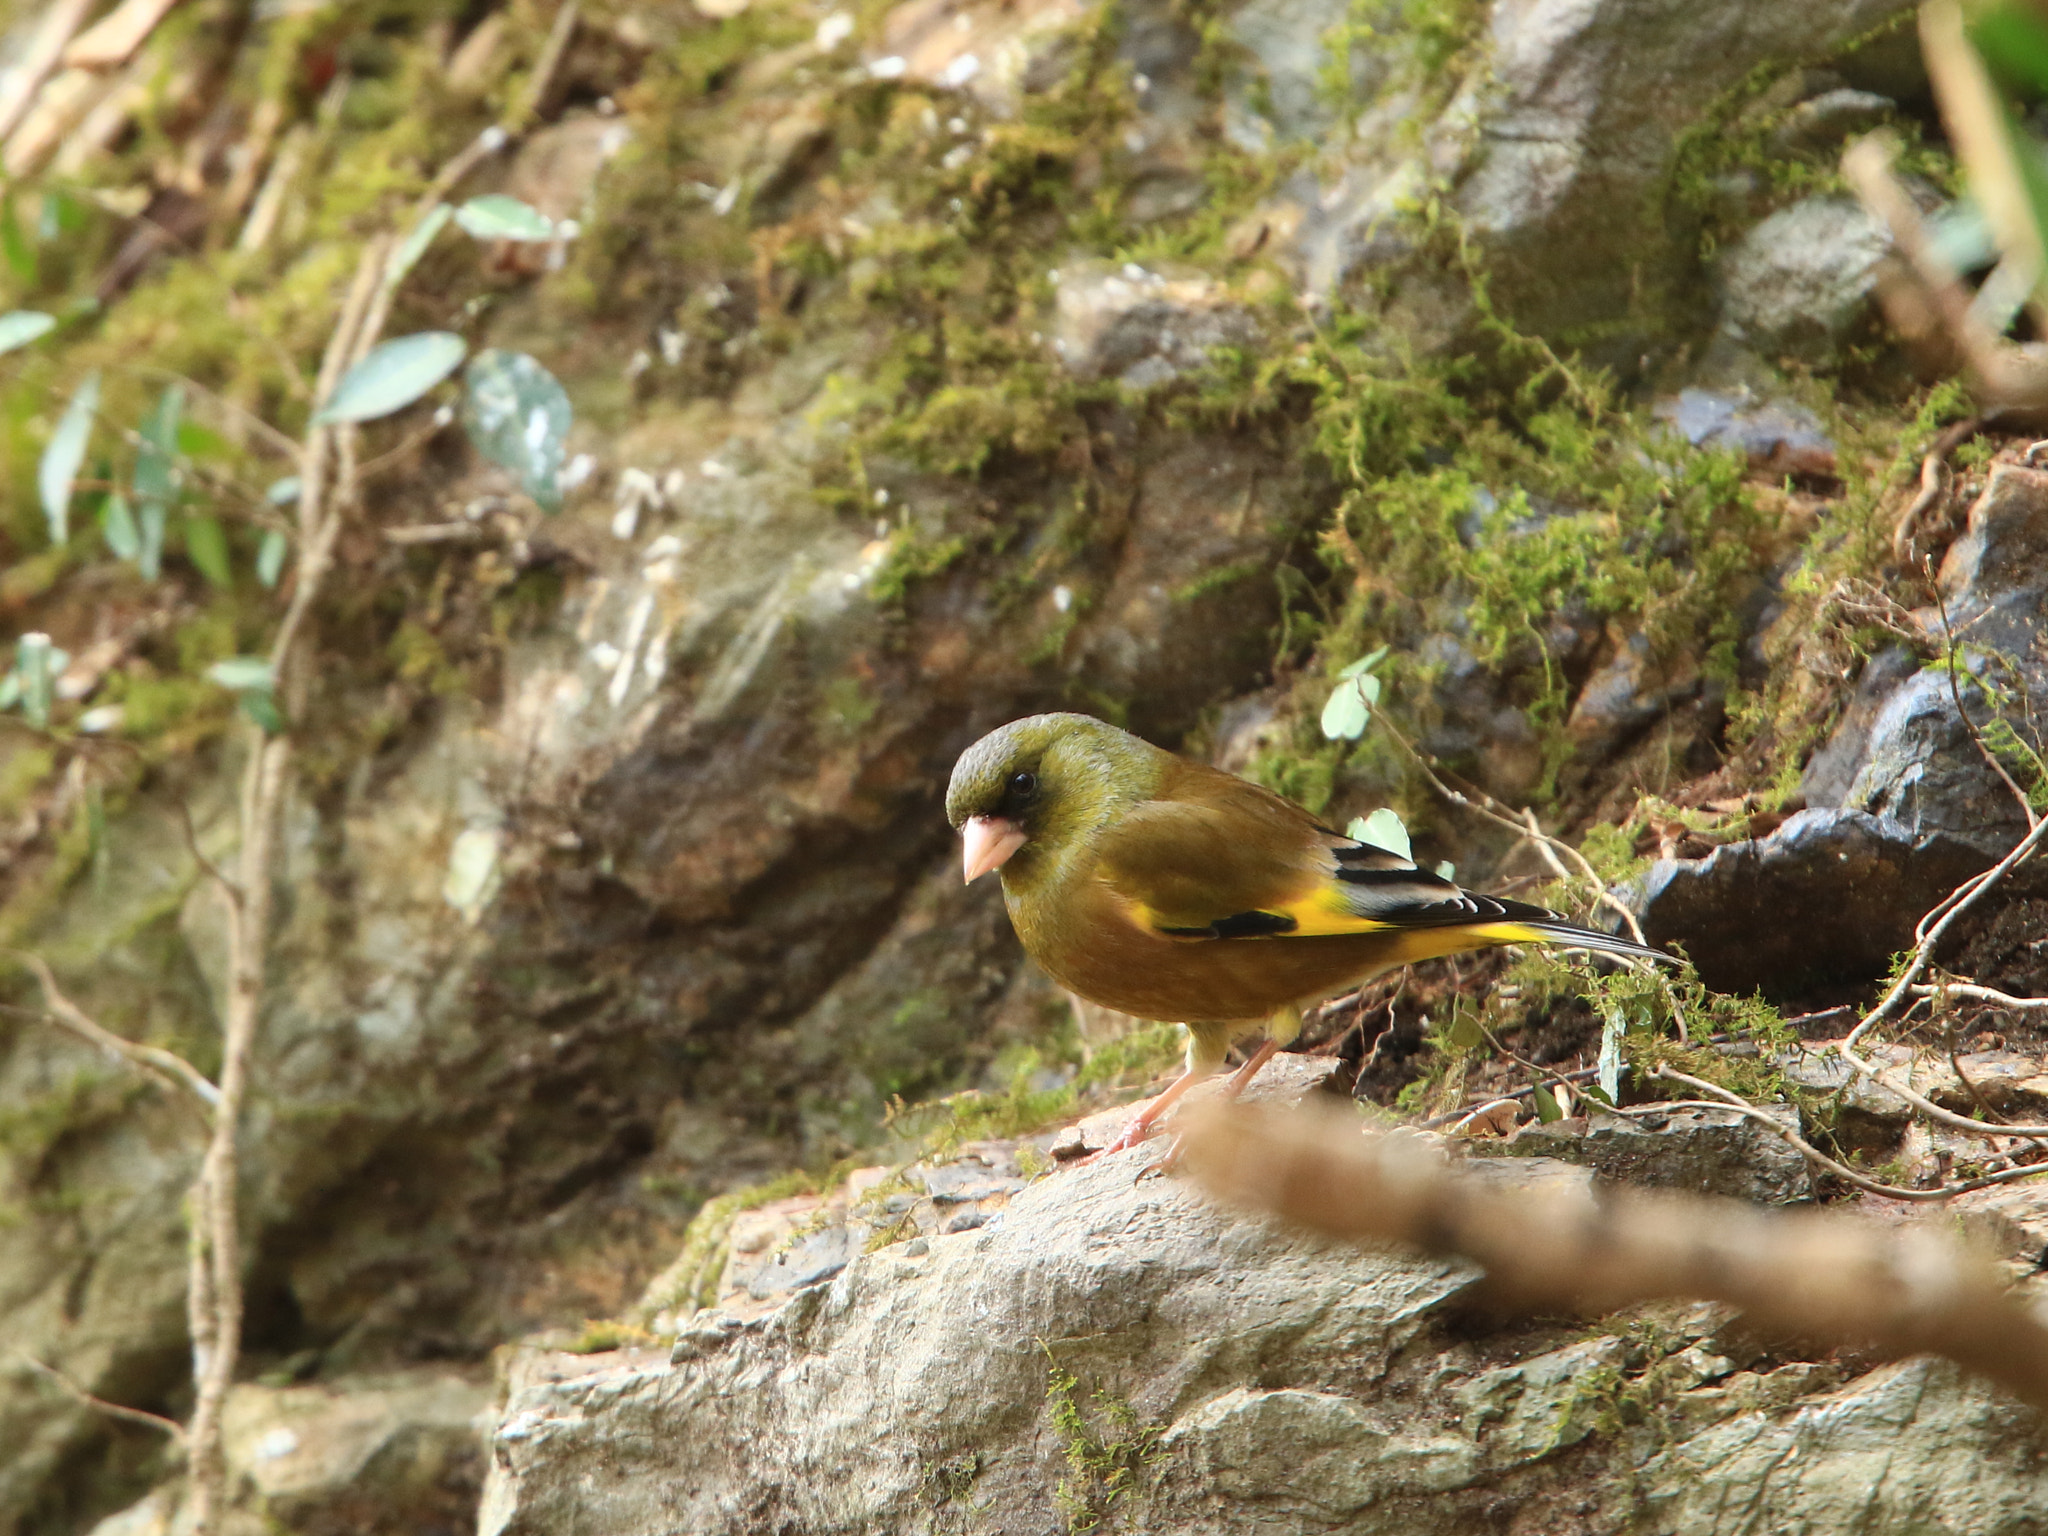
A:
(1171, 890)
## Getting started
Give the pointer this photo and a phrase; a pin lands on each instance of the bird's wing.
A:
(1220, 858)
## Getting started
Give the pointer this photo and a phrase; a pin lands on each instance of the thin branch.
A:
(1975, 993)
(1841, 1171)
(1817, 1275)
(166, 1067)
(141, 1416)
(1955, 693)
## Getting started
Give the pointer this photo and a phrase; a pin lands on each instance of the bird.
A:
(1167, 889)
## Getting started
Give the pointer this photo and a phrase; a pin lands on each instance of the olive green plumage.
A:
(1168, 889)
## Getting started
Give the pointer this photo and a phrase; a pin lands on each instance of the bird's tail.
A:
(1555, 931)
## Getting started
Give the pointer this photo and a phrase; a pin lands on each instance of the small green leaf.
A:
(1365, 663)
(35, 666)
(149, 560)
(260, 705)
(200, 442)
(206, 546)
(117, 525)
(2014, 42)
(1349, 709)
(19, 327)
(1546, 1105)
(14, 246)
(240, 672)
(1465, 1033)
(407, 256)
(518, 416)
(1596, 1094)
(497, 216)
(1383, 829)
(270, 557)
(282, 493)
(63, 454)
(156, 465)
(393, 376)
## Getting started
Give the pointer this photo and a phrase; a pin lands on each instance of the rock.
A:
(1797, 283)
(1139, 326)
(1134, 1350)
(1857, 882)
(1286, 1079)
(1860, 1116)
(1779, 437)
(1909, 1446)
(2010, 1219)
(1578, 127)
(1628, 693)
(1832, 769)
(1904, 749)
(1701, 1151)
(355, 1455)
(992, 50)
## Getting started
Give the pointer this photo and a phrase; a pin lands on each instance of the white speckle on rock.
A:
(276, 1443)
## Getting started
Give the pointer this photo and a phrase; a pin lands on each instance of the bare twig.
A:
(1977, 994)
(1820, 1159)
(26, 78)
(1959, 902)
(1955, 693)
(1821, 1276)
(167, 1067)
(50, 1373)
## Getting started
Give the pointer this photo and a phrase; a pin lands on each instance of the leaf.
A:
(240, 672)
(35, 666)
(117, 525)
(407, 256)
(156, 465)
(62, 456)
(497, 216)
(2014, 42)
(270, 557)
(1611, 1030)
(518, 416)
(150, 522)
(282, 493)
(1546, 1104)
(198, 442)
(1383, 829)
(14, 246)
(1960, 237)
(1349, 710)
(206, 546)
(260, 705)
(1465, 1033)
(1365, 663)
(393, 376)
(19, 327)
(1446, 869)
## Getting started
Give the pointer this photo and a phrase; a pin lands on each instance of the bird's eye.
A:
(1022, 785)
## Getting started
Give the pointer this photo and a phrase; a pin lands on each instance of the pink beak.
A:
(986, 843)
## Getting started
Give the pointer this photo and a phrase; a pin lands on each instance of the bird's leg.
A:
(1241, 1079)
(1208, 1044)
(1142, 1122)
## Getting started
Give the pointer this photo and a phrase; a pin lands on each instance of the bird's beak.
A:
(986, 843)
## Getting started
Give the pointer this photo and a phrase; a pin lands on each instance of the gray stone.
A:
(1776, 436)
(1821, 123)
(1910, 1447)
(1796, 284)
(1140, 326)
(1575, 133)
(359, 1454)
(1856, 882)
(1700, 1151)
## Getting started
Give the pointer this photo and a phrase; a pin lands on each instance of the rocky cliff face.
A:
(934, 366)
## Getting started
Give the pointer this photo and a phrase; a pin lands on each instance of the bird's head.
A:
(1042, 784)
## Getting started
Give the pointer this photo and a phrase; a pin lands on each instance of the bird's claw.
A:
(1163, 1166)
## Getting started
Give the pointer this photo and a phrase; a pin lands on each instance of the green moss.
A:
(912, 559)
(602, 1335)
(1107, 1446)
(26, 768)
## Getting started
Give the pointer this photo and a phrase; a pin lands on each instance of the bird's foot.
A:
(1169, 1163)
(1135, 1133)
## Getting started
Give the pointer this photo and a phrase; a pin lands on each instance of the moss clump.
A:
(1107, 1446)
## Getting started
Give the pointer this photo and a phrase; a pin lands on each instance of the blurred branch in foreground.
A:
(1829, 1279)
